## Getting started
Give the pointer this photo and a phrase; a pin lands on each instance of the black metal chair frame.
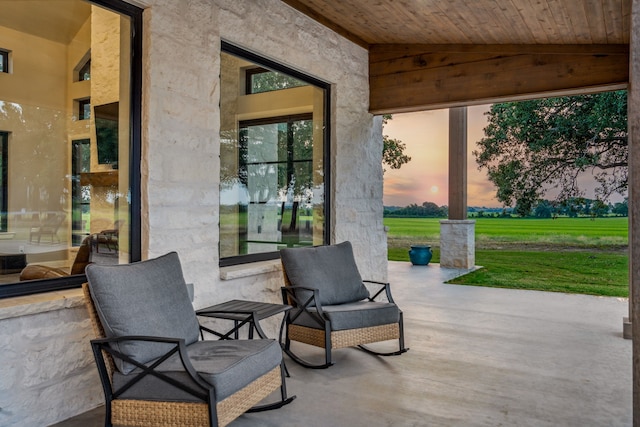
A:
(205, 392)
(289, 296)
(102, 349)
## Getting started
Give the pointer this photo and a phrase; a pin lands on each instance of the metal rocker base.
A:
(302, 362)
(284, 400)
(377, 353)
(271, 406)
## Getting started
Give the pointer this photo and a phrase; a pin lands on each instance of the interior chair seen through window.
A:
(332, 307)
(49, 225)
(154, 365)
(38, 271)
(109, 237)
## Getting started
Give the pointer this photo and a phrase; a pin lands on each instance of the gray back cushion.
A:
(331, 269)
(144, 298)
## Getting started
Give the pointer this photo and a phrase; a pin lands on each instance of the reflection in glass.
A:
(272, 165)
(85, 71)
(62, 203)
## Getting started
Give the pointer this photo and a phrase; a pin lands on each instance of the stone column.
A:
(457, 234)
(457, 243)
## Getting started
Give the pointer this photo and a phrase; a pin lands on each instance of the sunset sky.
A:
(425, 177)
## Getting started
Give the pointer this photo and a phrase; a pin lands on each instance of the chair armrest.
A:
(384, 287)
(101, 346)
(289, 296)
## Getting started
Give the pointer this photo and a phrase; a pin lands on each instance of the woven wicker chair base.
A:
(143, 413)
(346, 338)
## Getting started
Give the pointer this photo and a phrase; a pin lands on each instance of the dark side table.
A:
(243, 313)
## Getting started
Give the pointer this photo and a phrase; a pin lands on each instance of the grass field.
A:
(576, 255)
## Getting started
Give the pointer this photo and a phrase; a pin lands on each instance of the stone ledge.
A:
(457, 221)
(252, 269)
(40, 303)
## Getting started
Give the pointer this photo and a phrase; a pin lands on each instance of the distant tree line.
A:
(579, 206)
(426, 210)
(572, 208)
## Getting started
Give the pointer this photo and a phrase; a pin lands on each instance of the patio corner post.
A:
(633, 127)
(457, 234)
(634, 202)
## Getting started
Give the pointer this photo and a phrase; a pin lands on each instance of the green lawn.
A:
(576, 255)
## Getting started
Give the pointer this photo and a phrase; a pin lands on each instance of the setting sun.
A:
(426, 134)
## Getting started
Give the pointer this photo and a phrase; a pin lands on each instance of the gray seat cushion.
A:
(354, 315)
(227, 365)
(331, 269)
(144, 298)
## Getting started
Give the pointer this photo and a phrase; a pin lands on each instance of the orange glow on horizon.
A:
(426, 135)
(425, 178)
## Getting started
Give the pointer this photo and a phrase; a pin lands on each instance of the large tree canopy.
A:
(393, 149)
(533, 146)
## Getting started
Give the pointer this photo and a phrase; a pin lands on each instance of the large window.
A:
(274, 172)
(69, 144)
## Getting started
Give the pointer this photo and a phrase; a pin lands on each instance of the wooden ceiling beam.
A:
(317, 16)
(407, 78)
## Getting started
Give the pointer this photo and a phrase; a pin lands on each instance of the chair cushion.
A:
(331, 269)
(144, 298)
(354, 315)
(228, 365)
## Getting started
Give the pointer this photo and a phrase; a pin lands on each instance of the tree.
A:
(621, 208)
(533, 146)
(430, 209)
(544, 209)
(393, 149)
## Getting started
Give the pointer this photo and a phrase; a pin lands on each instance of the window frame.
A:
(77, 147)
(82, 71)
(82, 103)
(17, 289)
(269, 64)
(4, 171)
(5, 61)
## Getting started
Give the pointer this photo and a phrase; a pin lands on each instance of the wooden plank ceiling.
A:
(461, 52)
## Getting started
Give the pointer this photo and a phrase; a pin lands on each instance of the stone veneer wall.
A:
(47, 372)
(457, 243)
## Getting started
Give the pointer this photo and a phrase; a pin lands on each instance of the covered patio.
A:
(479, 357)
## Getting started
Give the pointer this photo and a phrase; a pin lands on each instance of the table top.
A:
(240, 309)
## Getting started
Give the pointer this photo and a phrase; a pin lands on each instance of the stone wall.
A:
(47, 343)
(47, 372)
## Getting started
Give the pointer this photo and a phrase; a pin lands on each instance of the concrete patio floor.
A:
(479, 357)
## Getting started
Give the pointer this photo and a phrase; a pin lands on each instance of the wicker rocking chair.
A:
(155, 370)
(332, 306)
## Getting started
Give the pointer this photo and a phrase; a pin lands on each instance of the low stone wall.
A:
(47, 371)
